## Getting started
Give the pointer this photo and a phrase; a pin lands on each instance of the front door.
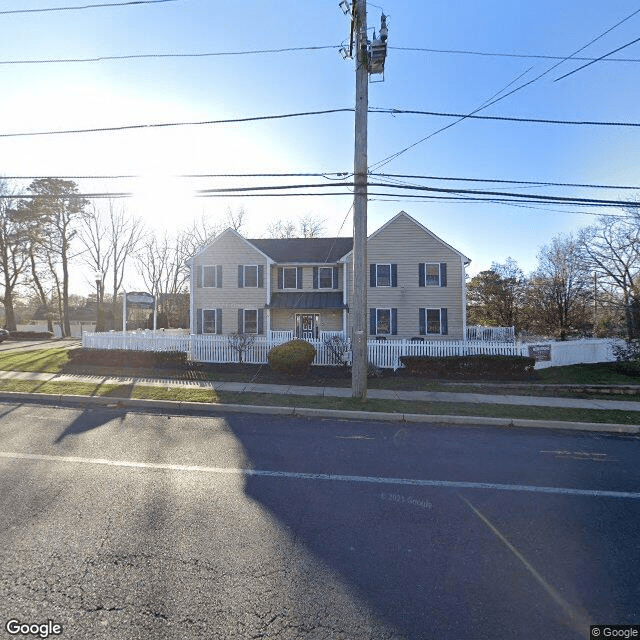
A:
(307, 326)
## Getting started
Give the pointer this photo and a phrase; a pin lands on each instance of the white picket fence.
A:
(492, 334)
(218, 349)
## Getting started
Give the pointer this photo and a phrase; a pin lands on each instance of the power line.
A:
(184, 175)
(169, 55)
(505, 118)
(491, 102)
(498, 180)
(174, 124)
(379, 110)
(524, 56)
(86, 6)
(598, 59)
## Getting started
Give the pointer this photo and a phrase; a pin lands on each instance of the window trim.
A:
(331, 270)
(244, 322)
(426, 321)
(244, 276)
(431, 284)
(284, 278)
(384, 264)
(383, 333)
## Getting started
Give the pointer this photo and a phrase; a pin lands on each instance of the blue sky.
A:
(40, 97)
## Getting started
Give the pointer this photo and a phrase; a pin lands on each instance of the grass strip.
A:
(42, 360)
(323, 402)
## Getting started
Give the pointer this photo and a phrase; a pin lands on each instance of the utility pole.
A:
(369, 59)
(359, 362)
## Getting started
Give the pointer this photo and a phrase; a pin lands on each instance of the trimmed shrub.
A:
(126, 358)
(478, 367)
(292, 357)
(31, 335)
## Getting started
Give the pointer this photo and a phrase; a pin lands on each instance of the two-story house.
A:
(304, 285)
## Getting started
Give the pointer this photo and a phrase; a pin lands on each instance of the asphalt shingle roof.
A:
(307, 300)
(304, 250)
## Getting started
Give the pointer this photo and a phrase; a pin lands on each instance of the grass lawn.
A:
(65, 360)
(397, 406)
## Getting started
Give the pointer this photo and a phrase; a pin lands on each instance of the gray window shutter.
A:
(198, 320)
(443, 274)
(260, 321)
(421, 274)
(240, 276)
(280, 278)
(394, 275)
(394, 322)
(240, 320)
(423, 321)
(260, 276)
(199, 276)
(315, 278)
(219, 276)
(372, 275)
(299, 277)
(218, 320)
(444, 325)
(373, 329)
(335, 278)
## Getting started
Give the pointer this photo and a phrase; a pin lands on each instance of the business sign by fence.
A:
(140, 299)
(541, 352)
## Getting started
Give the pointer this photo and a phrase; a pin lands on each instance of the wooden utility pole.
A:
(359, 362)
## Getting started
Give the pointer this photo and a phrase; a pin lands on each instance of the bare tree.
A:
(111, 237)
(559, 291)
(13, 254)
(611, 250)
(307, 227)
(235, 219)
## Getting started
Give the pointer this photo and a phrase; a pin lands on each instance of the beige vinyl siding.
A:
(230, 250)
(405, 244)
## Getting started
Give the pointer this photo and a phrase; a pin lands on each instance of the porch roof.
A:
(307, 300)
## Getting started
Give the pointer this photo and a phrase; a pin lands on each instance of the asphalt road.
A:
(141, 525)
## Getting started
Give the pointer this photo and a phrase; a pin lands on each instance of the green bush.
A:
(126, 358)
(292, 357)
(479, 367)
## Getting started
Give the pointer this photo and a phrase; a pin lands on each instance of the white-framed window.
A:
(383, 322)
(250, 275)
(383, 275)
(325, 278)
(434, 324)
(250, 324)
(432, 274)
(433, 321)
(290, 278)
(212, 276)
(209, 321)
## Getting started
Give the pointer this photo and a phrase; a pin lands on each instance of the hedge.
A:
(478, 367)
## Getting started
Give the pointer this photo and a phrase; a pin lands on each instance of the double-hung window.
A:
(250, 275)
(433, 322)
(325, 277)
(383, 275)
(212, 276)
(290, 277)
(432, 274)
(208, 321)
(383, 322)
(250, 321)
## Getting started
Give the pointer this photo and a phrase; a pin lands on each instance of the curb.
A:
(336, 414)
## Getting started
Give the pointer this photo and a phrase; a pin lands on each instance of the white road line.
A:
(410, 482)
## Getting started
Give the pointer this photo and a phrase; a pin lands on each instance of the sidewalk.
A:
(339, 392)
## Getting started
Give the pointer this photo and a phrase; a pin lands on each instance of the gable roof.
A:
(404, 214)
(304, 250)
